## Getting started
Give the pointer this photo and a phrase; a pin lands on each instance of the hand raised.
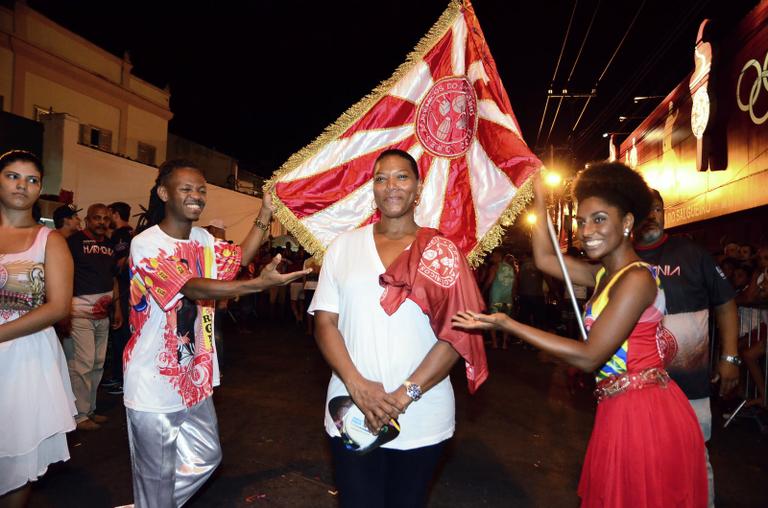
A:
(267, 204)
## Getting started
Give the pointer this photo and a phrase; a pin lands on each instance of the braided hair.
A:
(155, 211)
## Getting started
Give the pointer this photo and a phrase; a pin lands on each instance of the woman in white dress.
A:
(36, 400)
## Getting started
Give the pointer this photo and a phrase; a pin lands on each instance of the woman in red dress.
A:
(646, 449)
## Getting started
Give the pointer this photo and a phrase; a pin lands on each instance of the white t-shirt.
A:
(385, 349)
(170, 362)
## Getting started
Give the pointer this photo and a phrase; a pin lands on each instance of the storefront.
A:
(705, 147)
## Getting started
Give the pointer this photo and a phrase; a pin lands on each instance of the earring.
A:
(626, 232)
(373, 205)
(417, 201)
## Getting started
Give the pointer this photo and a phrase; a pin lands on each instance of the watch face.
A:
(413, 391)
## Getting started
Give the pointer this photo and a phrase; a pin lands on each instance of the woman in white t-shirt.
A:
(387, 364)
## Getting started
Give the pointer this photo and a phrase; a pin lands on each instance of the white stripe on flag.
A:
(340, 151)
(430, 209)
(490, 186)
(477, 71)
(415, 84)
(459, 45)
(489, 110)
(344, 215)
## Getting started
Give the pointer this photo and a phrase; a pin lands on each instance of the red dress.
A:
(646, 448)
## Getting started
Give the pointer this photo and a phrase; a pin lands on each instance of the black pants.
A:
(384, 477)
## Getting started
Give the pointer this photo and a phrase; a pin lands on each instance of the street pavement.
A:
(519, 441)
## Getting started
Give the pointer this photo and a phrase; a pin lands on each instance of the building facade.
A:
(45, 68)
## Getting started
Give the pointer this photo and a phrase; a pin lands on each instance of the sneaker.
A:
(117, 390)
(98, 418)
(88, 425)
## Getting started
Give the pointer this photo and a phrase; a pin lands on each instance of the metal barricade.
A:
(753, 331)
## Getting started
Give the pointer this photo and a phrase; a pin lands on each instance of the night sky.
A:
(259, 80)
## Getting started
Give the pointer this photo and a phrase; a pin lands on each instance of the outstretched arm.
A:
(201, 288)
(58, 293)
(581, 272)
(257, 235)
(631, 295)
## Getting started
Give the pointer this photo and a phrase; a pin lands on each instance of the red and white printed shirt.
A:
(170, 361)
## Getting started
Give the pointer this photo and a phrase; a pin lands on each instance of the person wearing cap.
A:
(66, 220)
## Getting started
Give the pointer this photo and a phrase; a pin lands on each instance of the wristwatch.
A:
(412, 390)
(731, 359)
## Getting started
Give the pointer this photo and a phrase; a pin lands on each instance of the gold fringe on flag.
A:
(490, 240)
(493, 237)
(303, 235)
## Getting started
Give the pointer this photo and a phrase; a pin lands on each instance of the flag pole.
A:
(566, 277)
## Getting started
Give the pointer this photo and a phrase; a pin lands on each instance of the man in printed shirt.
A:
(177, 272)
(95, 290)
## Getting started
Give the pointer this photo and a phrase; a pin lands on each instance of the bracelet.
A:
(260, 225)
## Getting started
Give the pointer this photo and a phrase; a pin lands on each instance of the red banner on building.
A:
(447, 107)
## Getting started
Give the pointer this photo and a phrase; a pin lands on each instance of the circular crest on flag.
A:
(447, 117)
(440, 262)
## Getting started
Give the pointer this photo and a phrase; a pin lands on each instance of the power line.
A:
(621, 43)
(610, 61)
(557, 67)
(584, 41)
(640, 74)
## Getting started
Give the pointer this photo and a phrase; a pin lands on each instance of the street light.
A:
(552, 179)
(530, 218)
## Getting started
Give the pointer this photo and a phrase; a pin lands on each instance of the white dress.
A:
(36, 401)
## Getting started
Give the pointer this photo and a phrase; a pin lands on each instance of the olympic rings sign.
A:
(760, 82)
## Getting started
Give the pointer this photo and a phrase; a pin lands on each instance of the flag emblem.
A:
(447, 107)
(447, 117)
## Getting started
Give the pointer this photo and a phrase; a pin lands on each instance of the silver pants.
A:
(172, 454)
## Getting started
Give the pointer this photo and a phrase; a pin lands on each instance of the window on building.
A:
(146, 153)
(96, 137)
(41, 112)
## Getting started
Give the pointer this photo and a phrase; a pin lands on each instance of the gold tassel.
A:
(495, 234)
(303, 235)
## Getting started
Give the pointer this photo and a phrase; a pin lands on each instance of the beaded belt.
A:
(616, 385)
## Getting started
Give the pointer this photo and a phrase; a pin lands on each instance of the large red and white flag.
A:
(447, 107)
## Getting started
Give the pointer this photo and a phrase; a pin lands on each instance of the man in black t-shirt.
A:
(95, 288)
(121, 237)
(692, 283)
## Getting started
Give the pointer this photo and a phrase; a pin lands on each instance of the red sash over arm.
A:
(435, 275)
